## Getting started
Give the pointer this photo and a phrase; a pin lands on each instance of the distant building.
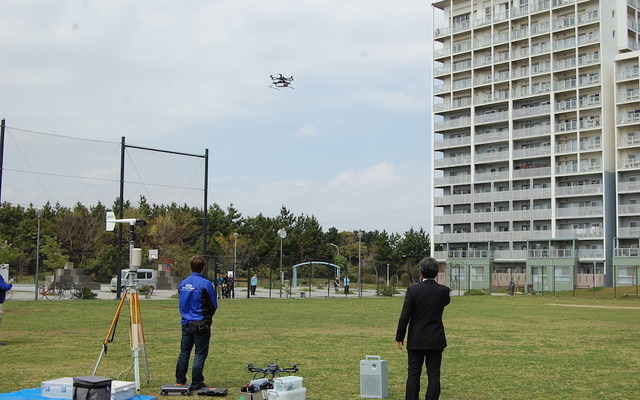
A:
(536, 142)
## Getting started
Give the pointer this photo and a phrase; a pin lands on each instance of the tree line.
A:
(78, 235)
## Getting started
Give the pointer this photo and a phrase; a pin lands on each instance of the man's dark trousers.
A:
(198, 336)
(433, 360)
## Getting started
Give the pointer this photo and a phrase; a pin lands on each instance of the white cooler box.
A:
(297, 394)
(62, 388)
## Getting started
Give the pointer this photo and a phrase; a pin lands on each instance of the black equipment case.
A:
(173, 389)
(91, 387)
(207, 391)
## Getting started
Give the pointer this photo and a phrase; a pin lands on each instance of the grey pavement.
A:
(25, 292)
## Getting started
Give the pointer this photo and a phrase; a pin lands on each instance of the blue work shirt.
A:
(197, 299)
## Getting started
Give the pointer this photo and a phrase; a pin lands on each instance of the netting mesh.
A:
(42, 167)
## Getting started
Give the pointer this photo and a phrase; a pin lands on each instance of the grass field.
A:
(500, 347)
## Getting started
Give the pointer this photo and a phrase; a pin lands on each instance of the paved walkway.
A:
(25, 292)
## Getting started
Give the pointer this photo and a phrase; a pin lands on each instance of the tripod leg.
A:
(111, 333)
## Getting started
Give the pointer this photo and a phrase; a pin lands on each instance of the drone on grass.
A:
(281, 81)
(273, 370)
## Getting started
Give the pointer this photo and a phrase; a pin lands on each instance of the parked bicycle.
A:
(57, 291)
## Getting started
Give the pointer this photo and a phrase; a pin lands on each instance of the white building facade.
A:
(536, 129)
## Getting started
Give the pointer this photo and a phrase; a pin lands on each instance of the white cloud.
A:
(306, 130)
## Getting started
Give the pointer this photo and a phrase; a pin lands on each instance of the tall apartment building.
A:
(536, 142)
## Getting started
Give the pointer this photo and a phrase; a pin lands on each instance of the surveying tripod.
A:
(135, 316)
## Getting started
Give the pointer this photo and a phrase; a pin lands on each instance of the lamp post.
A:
(39, 213)
(235, 257)
(337, 248)
(359, 264)
(282, 234)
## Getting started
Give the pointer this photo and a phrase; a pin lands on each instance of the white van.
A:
(142, 277)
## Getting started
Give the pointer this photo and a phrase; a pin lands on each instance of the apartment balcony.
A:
(452, 142)
(590, 145)
(582, 233)
(532, 152)
(578, 190)
(492, 117)
(568, 43)
(452, 105)
(455, 199)
(482, 42)
(628, 209)
(447, 219)
(540, 29)
(626, 252)
(629, 118)
(491, 97)
(589, 122)
(567, 126)
(629, 163)
(452, 180)
(589, 58)
(452, 161)
(537, 130)
(541, 48)
(629, 232)
(628, 73)
(566, 84)
(588, 17)
(441, 32)
(559, 3)
(565, 64)
(540, 5)
(492, 176)
(589, 81)
(532, 173)
(628, 186)
(589, 38)
(583, 167)
(589, 102)
(586, 254)
(530, 194)
(567, 148)
(629, 95)
(491, 156)
(531, 111)
(564, 23)
(510, 255)
(569, 212)
(452, 123)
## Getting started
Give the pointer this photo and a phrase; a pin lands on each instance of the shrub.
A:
(476, 292)
(388, 291)
(87, 293)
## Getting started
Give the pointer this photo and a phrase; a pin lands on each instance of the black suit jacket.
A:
(422, 311)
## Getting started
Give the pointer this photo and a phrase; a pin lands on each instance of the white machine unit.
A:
(374, 378)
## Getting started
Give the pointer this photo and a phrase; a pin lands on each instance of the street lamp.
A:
(235, 257)
(359, 265)
(282, 234)
(337, 248)
(39, 213)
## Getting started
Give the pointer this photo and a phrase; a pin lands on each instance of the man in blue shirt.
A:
(197, 306)
(4, 288)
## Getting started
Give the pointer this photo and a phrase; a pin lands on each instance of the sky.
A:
(349, 144)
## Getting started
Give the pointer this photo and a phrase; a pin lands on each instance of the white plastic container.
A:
(61, 388)
(121, 390)
(298, 394)
(287, 383)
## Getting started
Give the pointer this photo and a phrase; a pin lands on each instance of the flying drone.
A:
(272, 369)
(281, 81)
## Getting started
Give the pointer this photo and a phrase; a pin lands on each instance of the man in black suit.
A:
(422, 311)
